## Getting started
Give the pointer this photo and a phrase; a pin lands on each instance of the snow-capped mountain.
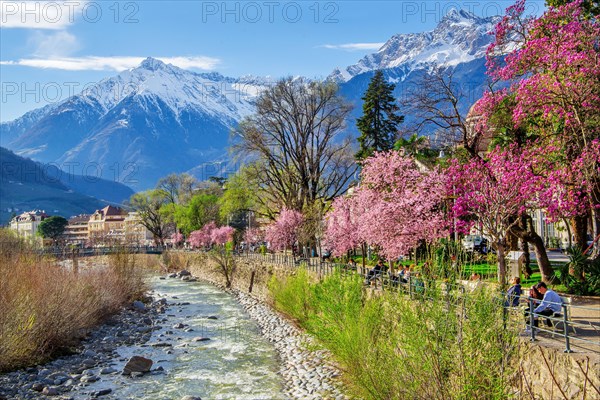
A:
(155, 119)
(459, 38)
(458, 45)
(139, 125)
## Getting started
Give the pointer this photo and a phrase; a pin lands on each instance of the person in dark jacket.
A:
(513, 295)
(376, 270)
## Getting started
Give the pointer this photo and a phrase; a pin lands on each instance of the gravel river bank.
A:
(194, 340)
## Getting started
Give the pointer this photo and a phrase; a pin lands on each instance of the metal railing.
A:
(587, 339)
(62, 253)
(561, 325)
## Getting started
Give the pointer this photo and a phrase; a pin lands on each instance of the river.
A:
(236, 363)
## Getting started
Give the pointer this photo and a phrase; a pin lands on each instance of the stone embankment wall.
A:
(548, 373)
(545, 373)
(203, 266)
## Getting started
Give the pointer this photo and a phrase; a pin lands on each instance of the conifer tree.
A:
(380, 119)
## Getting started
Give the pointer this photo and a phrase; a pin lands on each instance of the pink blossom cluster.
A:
(568, 187)
(221, 235)
(494, 191)
(211, 234)
(177, 238)
(342, 225)
(253, 235)
(283, 233)
(397, 206)
(556, 71)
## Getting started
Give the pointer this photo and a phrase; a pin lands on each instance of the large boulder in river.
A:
(184, 272)
(137, 364)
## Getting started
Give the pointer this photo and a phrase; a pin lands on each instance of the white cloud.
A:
(58, 44)
(353, 46)
(92, 63)
(39, 14)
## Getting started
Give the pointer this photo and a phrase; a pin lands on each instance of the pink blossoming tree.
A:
(284, 231)
(342, 225)
(221, 235)
(397, 206)
(202, 237)
(552, 65)
(177, 238)
(253, 236)
(401, 204)
(495, 192)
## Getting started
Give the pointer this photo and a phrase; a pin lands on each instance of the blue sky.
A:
(49, 50)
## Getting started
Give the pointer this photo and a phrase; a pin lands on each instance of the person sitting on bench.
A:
(551, 303)
(376, 271)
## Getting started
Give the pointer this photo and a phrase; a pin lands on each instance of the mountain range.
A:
(28, 185)
(155, 119)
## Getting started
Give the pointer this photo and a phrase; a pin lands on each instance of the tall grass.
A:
(395, 347)
(45, 307)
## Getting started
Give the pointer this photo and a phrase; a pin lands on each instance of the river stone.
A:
(89, 353)
(107, 370)
(50, 391)
(191, 398)
(200, 339)
(212, 317)
(102, 392)
(137, 364)
(37, 386)
(90, 379)
(57, 375)
(88, 363)
(138, 305)
(184, 272)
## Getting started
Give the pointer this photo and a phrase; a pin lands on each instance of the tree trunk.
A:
(524, 265)
(569, 234)
(528, 234)
(501, 263)
(363, 248)
(579, 228)
(542, 258)
(595, 233)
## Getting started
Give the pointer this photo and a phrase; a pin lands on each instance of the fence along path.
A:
(580, 317)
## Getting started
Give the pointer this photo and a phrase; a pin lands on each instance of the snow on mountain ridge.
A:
(210, 93)
(459, 37)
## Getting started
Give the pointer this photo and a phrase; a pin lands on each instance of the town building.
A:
(26, 224)
(76, 232)
(136, 234)
(107, 226)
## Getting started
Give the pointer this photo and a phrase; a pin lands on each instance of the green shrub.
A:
(585, 277)
(395, 347)
(291, 294)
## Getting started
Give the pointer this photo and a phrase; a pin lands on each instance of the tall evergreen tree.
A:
(380, 119)
(52, 227)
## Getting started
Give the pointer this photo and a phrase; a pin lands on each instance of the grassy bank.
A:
(45, 307)
(392, 346)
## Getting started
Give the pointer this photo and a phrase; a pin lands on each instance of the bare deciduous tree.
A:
(436, 103)
(295, 140)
